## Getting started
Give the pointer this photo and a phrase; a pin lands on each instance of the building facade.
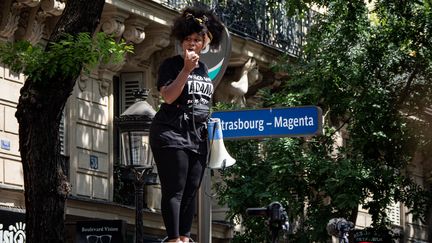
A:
(88, 132)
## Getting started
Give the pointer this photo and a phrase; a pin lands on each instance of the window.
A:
(393, 213)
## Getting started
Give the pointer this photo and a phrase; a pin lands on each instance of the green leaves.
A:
(22, 56)
(66, 57)
(371, 74)
(369, 69)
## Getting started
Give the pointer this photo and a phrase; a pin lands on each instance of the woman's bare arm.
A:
(172, 91)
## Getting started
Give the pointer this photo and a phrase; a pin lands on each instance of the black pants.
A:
(180, 172)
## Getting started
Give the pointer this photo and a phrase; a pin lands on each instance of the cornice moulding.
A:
(147, 9)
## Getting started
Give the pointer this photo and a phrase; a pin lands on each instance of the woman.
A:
(178, 132)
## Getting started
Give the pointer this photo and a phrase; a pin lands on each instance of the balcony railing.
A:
(264, 21)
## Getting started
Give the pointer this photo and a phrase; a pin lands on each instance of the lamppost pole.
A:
(134, 126)
(139, 204)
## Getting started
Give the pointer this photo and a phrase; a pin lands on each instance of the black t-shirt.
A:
(182, 124)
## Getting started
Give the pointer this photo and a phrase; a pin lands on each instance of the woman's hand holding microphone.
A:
(172, 91)
(190, 60)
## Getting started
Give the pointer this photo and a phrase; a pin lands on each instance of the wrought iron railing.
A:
(264, 21)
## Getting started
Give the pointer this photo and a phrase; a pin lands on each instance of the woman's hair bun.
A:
(198, 19)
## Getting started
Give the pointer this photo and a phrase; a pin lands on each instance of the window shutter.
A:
(62, 133)
(129, 83)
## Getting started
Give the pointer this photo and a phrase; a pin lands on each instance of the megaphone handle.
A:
(211, 143)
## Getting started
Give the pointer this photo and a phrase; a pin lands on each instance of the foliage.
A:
(124, 190)
(251, 189)
(369, 68)
(62, 58)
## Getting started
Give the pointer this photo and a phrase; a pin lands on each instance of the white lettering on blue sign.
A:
(291, 123)
(94, 162)
(240, 125)
(272, 122)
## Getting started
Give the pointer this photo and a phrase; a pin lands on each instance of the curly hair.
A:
(198, 20)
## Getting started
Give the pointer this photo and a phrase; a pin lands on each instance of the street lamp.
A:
(134, 126)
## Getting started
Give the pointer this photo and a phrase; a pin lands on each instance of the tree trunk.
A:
(352, 218)
(429, 217)
(38, 113)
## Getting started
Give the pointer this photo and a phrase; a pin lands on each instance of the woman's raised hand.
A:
(190, 60)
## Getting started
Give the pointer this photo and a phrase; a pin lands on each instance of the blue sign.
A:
(94, 162)
(273, 122)
(5, 144)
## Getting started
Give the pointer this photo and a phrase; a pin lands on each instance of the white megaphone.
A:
(219, 157)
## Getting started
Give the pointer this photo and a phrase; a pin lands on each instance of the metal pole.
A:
(139, 203)
(204, 209)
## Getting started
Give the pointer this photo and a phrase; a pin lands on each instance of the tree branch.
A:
(405, 92)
